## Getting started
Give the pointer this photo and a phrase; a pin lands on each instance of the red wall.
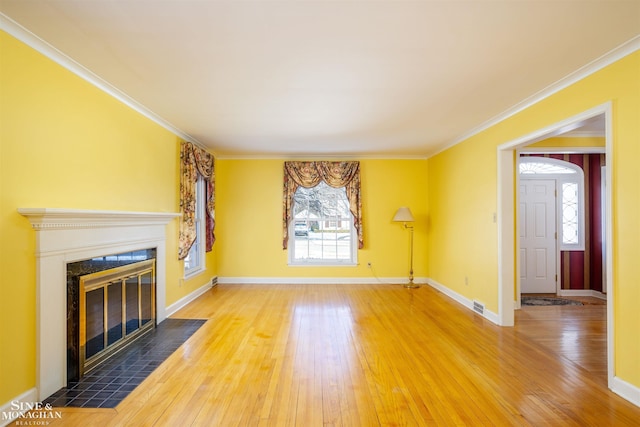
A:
(583, 269)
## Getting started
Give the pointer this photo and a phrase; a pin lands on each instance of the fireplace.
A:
(110, 303)
(65, 236)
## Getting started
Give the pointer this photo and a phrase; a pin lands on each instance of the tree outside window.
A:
(322, 227)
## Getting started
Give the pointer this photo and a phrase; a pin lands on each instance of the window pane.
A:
(194, 261)
(533, 167)
(322, 225)
(570, 213)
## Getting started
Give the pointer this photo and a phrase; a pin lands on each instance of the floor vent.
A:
(478, 307)
(214, 281)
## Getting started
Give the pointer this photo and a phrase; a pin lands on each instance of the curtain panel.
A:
(334, 174)
(195, 161)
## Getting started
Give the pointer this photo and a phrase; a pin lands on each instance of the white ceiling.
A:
(329, 78)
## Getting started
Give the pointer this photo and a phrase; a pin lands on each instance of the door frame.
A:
(558, 180)
(508, 264)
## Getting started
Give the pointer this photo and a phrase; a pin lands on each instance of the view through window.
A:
(194, 262)
(322, 227)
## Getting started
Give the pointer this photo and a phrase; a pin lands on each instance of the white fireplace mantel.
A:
(56, 218)
(69, 235)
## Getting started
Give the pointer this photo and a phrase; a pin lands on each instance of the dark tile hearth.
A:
(109, 383)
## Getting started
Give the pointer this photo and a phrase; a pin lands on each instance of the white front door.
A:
(537, 236)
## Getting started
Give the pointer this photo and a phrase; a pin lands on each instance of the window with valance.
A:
(309, 174)
(195, 162)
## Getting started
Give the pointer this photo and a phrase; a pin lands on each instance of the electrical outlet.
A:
(466, 281)
(368, 265)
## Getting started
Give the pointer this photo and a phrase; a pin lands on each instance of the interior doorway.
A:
(560, 202)
(508, 224)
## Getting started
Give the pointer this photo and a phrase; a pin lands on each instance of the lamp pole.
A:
(411, 284)
(405, 216)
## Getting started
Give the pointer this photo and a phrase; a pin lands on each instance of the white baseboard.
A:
(8, 415)
(489, 315)
(318, 280)
(582, 293)
(625, 390)
(173, 308)
(493, 317)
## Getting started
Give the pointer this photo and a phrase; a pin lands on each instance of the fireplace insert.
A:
(108, 308)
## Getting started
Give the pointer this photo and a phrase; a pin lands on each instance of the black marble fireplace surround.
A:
(75, 271)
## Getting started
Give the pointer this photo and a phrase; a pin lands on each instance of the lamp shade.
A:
(403, 215)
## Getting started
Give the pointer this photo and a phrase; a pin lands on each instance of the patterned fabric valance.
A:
(193, 162)
(309, 174)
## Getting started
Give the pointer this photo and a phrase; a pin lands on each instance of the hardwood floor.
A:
(371, 355)
(576, 333)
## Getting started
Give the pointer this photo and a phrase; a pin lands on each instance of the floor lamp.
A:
(405, 216)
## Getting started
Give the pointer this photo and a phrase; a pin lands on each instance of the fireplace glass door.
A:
(116, 306)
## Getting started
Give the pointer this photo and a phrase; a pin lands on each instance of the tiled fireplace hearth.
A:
(66, 236)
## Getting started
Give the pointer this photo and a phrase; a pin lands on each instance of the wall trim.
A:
(625, 49)
(184, 301)
(30, 395)
(626, 390)
(318, 280)
(508, 263)
(582, 293)
(491, 316)
(58, 218)
(27, 37)
(466, 302)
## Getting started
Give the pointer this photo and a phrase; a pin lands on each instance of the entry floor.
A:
(108, 384)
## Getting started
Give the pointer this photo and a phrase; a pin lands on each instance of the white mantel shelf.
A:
(69, 235)
(58, 218)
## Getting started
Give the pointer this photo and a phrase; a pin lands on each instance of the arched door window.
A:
(569, 180)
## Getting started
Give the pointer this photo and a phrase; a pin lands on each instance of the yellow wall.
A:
(463, 195)
(249, 212)
(462, 234)
(64, 143)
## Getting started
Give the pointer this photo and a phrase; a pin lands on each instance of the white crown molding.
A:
(609, 58)
(56, 218)
(320, 157)
(19, 32)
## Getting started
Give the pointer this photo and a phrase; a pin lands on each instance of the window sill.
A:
(319, 264)
(193, 273)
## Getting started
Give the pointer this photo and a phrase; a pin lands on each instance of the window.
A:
(322, 230)
(569, 180)
(570, 213)
(194, 262)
